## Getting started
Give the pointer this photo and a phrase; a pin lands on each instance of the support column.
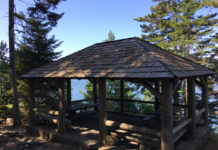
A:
(31, 102)
(191, 107)
(205, 100)
(95, 93)
(61, 125)
(102, 111)
(157, 102)
(122, 95)
(69, 92)
(166, 116)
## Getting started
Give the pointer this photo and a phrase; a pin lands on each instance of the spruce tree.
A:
(37, 48)
(175, 26)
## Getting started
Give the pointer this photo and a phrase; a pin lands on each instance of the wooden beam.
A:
(102, 112)
(69, 92)
(191, 107)
(151, 89)
(31, 102)
(176, 85)
(94, 82)
(166, 116)
(177, 136)
(157, 100)
(182, 125)
(61, 124)
(199, 83)
(122, 95)
(205, 100)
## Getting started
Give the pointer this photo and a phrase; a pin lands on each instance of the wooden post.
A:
(122, 95)
(31, 102)
(157, 87)
(166, 116)
(61, 125)
(102, 111)
(69, 92)
(95, 93)
(205, 100)
(191, 107)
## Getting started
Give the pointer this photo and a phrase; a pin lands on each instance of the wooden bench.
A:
(138, 134)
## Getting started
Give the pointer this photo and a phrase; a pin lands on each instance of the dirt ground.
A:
(14, 138)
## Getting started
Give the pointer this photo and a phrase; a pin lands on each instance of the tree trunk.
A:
(16, 114)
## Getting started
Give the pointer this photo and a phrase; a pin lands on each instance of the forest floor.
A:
(15, 138)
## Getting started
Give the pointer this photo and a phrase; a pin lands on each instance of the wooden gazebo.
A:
(133, 60)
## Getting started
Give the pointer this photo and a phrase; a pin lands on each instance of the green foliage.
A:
(175, 26)
(5, 92)
(111, 36)
(130, 93)
(37, 46)
(5, 111)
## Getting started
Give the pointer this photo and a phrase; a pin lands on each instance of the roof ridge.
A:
(159, 60)
(176, 54)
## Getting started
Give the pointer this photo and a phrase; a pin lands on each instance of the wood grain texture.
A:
(166, 116)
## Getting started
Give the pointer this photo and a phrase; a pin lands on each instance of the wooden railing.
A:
(199, 114)
(181, 129)
(142, 101)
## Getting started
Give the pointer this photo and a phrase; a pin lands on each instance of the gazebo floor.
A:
(84, 130)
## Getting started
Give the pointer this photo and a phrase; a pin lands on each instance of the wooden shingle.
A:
(126, 58)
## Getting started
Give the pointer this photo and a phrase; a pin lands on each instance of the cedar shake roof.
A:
(126, 58)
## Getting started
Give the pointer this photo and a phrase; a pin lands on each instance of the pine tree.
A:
(36, 47)
(16, 113)
(111, 36)
(174, 25)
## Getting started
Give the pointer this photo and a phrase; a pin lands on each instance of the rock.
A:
(9, 121)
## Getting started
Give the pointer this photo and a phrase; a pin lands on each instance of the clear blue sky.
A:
(88, 21)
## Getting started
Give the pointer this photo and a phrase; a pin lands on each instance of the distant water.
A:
(77, 87)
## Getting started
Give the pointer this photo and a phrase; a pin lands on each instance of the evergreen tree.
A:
(111, 36)
(36, 47)
(15, 102)
(175, 26)
(5, 94)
